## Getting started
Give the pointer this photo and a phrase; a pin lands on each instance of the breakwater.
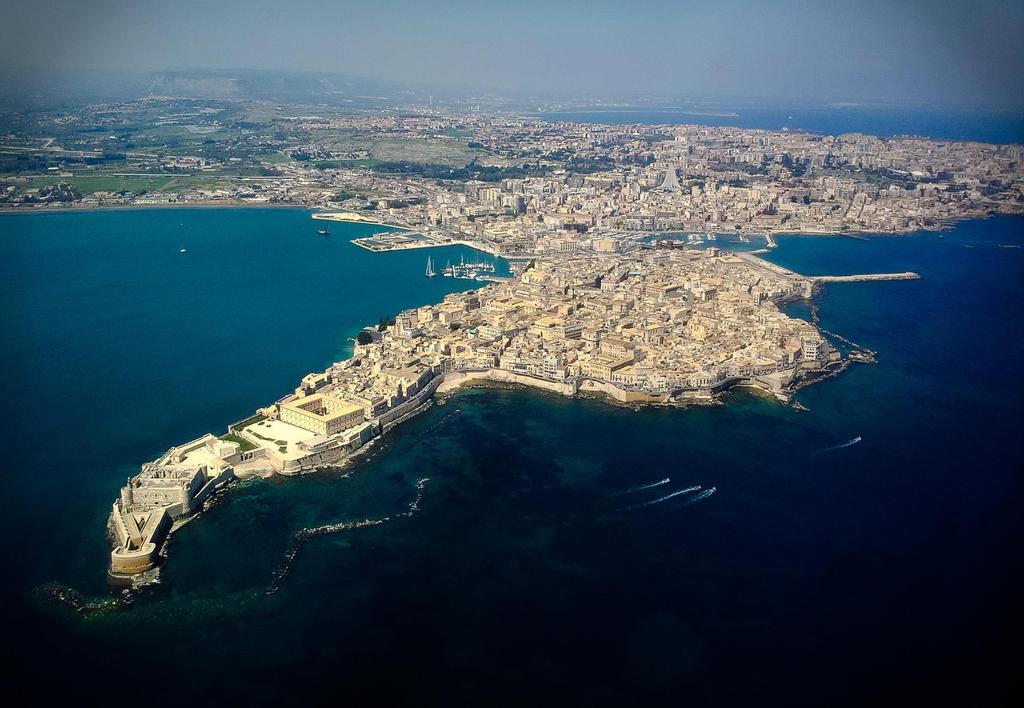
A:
(864, 278)
(300, 538)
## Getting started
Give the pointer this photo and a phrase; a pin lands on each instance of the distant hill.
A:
(51, 89)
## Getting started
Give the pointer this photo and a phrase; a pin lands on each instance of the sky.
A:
(966, 52)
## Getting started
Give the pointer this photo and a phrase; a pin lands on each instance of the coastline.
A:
(317, 213)
(143, 207)
(440, 389)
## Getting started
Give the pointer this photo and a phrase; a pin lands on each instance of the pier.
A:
(354, 218)
(753, 259)
(866, 277)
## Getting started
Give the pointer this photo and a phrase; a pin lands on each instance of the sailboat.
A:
(430, 268)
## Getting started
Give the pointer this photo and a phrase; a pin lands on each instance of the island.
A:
(633, 323)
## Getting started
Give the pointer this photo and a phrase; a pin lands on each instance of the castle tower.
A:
(186, 500)
(127, 495)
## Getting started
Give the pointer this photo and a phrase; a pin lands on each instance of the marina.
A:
(478, 270)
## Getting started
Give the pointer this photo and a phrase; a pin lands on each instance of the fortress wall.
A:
(622, 395)
(125, 562)
(117, 525)
(408, 406)
(257, 454)
(182, 450)
(211, 486)
(454, 379)
(132, 562)
(323, 458)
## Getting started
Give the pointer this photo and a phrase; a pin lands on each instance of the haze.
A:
(910, 52)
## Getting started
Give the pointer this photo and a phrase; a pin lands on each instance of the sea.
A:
(862, 548)
(991, 126)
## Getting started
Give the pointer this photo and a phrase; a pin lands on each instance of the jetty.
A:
(352, 217)
(863, 278)
(752, 258)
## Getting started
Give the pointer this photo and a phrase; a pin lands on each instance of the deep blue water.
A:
(888, 570)
(949, 124)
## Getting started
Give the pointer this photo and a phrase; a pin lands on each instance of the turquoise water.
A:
(889, 569)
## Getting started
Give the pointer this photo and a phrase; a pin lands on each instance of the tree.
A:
(364, 338)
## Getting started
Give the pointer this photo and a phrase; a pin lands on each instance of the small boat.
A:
(184, 250)
(324, 232)
(430, 268)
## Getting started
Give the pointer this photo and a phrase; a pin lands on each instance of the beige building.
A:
(322, 414)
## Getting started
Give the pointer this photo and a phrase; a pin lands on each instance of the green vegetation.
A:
(88, 184)
(258, 418)
(133, 184)
(589, 165)
(61, 192)
(364, 337)
(472, 171)
(243, 444)
(338, 164)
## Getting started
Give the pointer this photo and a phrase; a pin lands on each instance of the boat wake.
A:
(848, 443)
(662, 499)
(300, 538)
(643, 487)
(703, 495)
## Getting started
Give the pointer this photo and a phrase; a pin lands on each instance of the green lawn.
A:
(243, 444)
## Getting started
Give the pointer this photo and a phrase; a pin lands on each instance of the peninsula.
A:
(636, 323)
